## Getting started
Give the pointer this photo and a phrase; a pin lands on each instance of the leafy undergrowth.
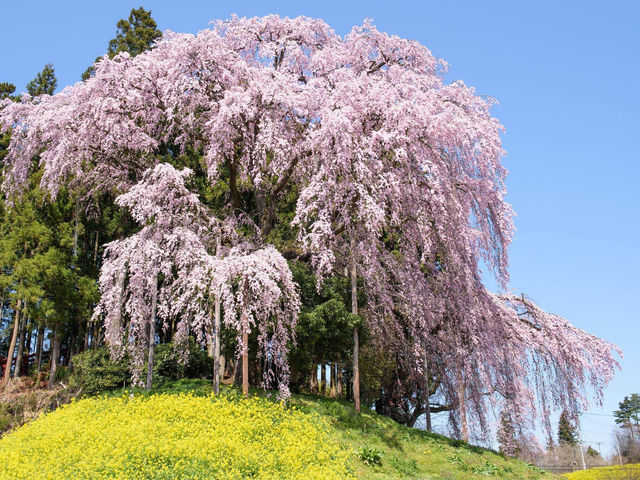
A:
(180, 431)
(614, 472)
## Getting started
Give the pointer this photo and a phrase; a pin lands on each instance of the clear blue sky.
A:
(566, 74)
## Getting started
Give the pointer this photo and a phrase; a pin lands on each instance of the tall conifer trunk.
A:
(55, 352)
(39, 343)
(12, 343)
(152, 333)
(21, 340)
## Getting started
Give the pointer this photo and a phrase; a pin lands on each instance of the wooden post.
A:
(245, 364)
(245, 345)
(152, 333)
(354, 310)
(12, 343)
(217, 339)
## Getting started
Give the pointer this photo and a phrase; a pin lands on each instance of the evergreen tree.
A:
(628, 413)
(44, 83)
(134, 35)
(566, 430)
(6, 90)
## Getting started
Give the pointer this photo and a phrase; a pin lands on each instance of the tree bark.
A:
(121, 279)
(354, 310)
(39, 342)
(95, 250)
(75, 228)
(323, 380)
(55, 353)
(339, 380)
(87, 330)
(12, 343)
(245, 363)
(427, 401)
(313, 380)
(152, 333)
(21, 339)
(332, 382)
(216, 338)
(216, 348)
(245, 345)
(464, 428)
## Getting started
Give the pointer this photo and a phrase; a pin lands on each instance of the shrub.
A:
(94, 371)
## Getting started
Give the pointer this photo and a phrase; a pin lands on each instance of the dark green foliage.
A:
(566, 430)
(134, 35)
(167, 367)
(628, 410)
(45, 82)
(592, 452)
(6, 90)
(95, 371)
(325, 325)
(370, 455)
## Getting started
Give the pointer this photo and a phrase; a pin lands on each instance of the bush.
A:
(94, 371)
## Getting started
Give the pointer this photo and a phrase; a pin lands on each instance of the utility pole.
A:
(584, 465)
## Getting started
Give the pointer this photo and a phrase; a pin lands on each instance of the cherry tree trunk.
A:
(55, 352)
(12, 344)
(121, 279)
(427, 401)
(356, 341)
(464, 428)
(152, 333)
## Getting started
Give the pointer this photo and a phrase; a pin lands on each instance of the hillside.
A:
(180, 431)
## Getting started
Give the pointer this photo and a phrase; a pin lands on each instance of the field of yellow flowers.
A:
(173, 436)
(614, 472)
(180, 431)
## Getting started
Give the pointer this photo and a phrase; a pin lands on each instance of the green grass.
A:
(379, 448)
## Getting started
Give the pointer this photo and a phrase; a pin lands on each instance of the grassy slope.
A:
(407, 453)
